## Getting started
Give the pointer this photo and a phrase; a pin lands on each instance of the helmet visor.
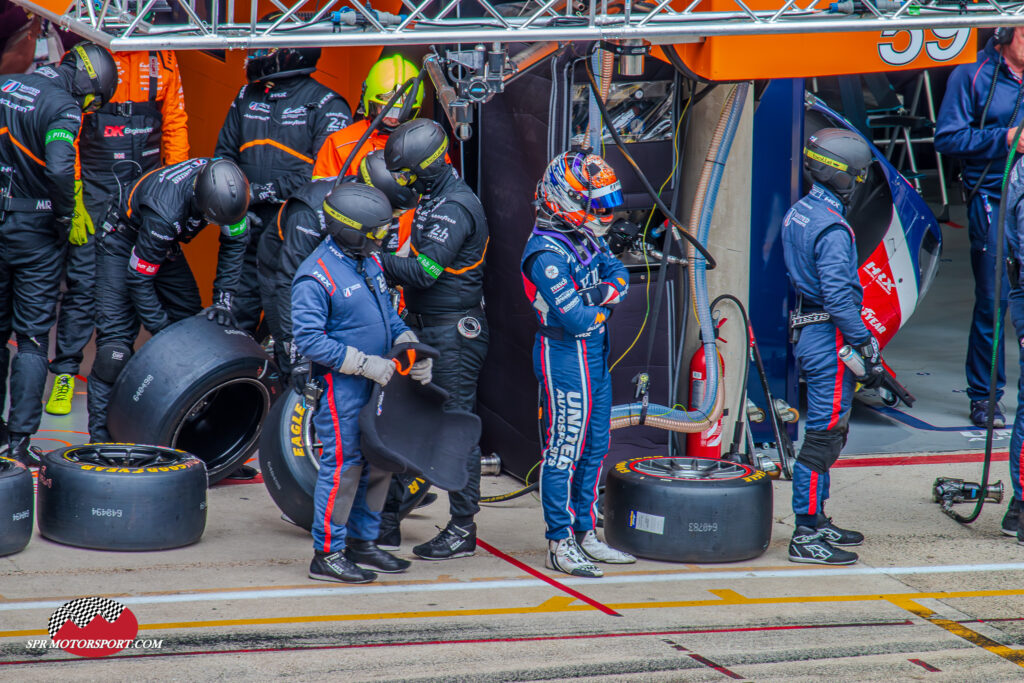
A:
(378, 233)
(404, 177)
(607, 197)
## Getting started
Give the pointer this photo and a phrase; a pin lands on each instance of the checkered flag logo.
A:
(82, 611)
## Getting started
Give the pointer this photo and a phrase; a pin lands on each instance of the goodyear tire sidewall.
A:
(289, 469)
(121, 508)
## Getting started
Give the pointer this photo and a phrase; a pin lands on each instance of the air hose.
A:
(700, 419)
(997, 326)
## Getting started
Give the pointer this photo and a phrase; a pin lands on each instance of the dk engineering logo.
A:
(93, 627)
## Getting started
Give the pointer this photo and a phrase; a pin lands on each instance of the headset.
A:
(1003, 35)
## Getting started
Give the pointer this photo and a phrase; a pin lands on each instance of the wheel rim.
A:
(693, 469)
(224, 423)
(125, 455)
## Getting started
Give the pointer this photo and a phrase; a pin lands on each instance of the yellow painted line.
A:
(724, 598)
(961, 631)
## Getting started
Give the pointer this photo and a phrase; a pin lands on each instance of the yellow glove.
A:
(81, 223)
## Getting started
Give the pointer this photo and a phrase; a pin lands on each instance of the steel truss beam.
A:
(425, 22)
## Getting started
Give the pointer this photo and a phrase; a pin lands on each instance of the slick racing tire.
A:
(15, 506)
(290, 457)
(122, 497)
(199, 387)
(688, 509)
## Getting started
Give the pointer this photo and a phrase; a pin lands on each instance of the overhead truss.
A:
(205, 24)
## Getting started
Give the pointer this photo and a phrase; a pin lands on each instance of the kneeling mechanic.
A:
(142, 274)
(342, 320)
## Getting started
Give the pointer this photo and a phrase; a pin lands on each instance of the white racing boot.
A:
(565, 556)
(596, 550)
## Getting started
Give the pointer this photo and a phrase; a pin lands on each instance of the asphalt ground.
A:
(930, 600)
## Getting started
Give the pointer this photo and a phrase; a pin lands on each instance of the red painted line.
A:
(468, 641)
(954, 225)
(544, 577)
(924, 665)
(717, 667)
(938, 459)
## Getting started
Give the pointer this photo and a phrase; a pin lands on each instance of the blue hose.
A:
(667, 417)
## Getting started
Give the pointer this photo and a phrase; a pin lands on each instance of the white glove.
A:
(422, 370)
(377, 368)
(407, 337)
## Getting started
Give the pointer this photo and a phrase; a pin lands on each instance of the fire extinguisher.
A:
(708, 443)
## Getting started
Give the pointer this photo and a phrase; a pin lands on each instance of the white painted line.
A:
(533, 583)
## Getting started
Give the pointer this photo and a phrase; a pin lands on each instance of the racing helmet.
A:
(580, 190)
(415, 153)
(281, 62)
(838, 159)
(357, 216)
(384, 77)
(222, 192)
(95, 74)
(373, 171)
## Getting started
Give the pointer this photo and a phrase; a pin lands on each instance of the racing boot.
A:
(1011, 520)
(368, 553)
(596, 550)
(836, 536)
(1020, 527)
(19, 449)
(565, 556)
(810, 547)
(337, 567)
(61, 395)
(390, 535)
(243, 473)
(453, 541)
(979, 415)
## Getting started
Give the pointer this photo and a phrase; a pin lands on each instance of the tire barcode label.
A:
(641, 521)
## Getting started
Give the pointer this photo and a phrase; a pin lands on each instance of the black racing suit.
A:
(273, 132)
(443, 285)
(39, 121)
(295, 234)
(142, 274)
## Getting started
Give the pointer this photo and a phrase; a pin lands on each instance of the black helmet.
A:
(373, 171)
(416, 152)
(281, 62)
(357, 216)
(95, 73)
(838, 159)
(222, 192)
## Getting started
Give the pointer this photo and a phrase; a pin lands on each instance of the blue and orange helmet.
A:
(581, 190)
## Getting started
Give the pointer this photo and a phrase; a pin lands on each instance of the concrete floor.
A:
(928, 594)
(930, 599)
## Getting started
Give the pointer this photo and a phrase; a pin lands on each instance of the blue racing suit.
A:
(980, 144)
(573, 287)
(339, 301)
(1015, 243)
(821, 257)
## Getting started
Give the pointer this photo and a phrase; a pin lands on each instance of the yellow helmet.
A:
(384, 77)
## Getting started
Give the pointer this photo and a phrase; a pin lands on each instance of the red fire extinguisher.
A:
(706, 444)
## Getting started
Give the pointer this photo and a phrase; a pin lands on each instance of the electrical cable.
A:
(711, 263)
(518, 493)
(997, 327)
(741, 408)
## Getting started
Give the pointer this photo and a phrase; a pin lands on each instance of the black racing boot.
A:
(453, 541)
(367, 553)
(1020, 527)
(390, 535)
(337, 567)
(243, 473)
(19, 449)
(1011, 523)
(836, 536)
(809, 547)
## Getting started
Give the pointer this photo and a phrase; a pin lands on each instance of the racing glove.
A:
(377, 368)
(603, 294)
(874, 371)
(81, 221)
(220, 311)
(264, 193)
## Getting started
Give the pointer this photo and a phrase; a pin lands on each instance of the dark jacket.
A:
(39, 121)
(445, 272)
(274, 132)
(158, 216)
(959, 130)
(301, 229)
